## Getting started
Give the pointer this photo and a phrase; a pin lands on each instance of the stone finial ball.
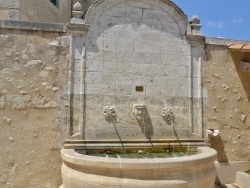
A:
(195, 20)
(77, 7)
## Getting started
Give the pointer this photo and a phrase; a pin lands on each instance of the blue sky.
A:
(220, 18)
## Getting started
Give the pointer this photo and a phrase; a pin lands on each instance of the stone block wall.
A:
(33, 88)
(134, 44)
(226, 106)
(39, 11)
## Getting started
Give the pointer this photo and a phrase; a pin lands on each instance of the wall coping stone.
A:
(34, 26)
(224, 41)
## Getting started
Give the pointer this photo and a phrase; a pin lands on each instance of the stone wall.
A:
(227, 105)
(130, 45)
(9, 9)
(39, 11)
(33, 87)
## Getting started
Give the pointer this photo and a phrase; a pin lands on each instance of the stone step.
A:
(243, 179)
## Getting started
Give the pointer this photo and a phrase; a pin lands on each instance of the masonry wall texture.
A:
(227, 105)
(128, 45)
(40, 11)
(34, 73)
(33, 79)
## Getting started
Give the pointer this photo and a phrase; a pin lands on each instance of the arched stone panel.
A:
(100, 6)
(137, 54)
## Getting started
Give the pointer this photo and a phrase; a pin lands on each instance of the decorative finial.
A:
(195, 25)
(77, 7)
(195, 20)
(77, 11)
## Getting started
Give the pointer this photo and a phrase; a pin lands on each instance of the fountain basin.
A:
(86, 171)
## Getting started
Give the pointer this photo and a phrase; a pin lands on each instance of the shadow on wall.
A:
(146, 125)
(241, 61)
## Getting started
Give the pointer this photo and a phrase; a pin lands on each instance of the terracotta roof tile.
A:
(239, 47)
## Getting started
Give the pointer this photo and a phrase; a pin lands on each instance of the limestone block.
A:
(131, 57)
(151, 69)
(128, 34)
(150, 79)
(116, 12)
(109, 100)
(167, 91)
(33, 63)
(182, 71)
(171, 70)
(44, 73)
(94, 65)
(10, 3)
(94, 99)
(124, 89)
(78, 47)
(97, 77)
(19, 102)
(109, 89)
(126, 45)
(5, 71)
(14, 14)
(110, 44)
(146, 46)
(112, 33)
(242, 179)
(133, 12)
(153, 90)
(31, 48)
(108, 21)
(153, 58)
(109, 55)
(156, 15)
(124, 67)
(65, 41)
(93, 89)
(127, 78)
(150, 36)
(110, 66)
(181, 91)
(109, 78)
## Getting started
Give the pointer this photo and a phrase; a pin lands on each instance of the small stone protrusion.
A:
(7, 120)
(224, 100)
(226, 88)
(243, 118)
(2, 103)
(216, 76)
(239, 97)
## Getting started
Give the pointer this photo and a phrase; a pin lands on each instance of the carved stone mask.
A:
(139, 111)
(109, 113)
(168, 115)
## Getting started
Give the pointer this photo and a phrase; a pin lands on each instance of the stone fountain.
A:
(135, 98)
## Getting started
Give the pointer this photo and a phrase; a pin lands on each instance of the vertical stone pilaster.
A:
(196, 42)
(76, 84)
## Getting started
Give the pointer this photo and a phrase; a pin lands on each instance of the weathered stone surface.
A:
(29, 112)
(19, 102)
